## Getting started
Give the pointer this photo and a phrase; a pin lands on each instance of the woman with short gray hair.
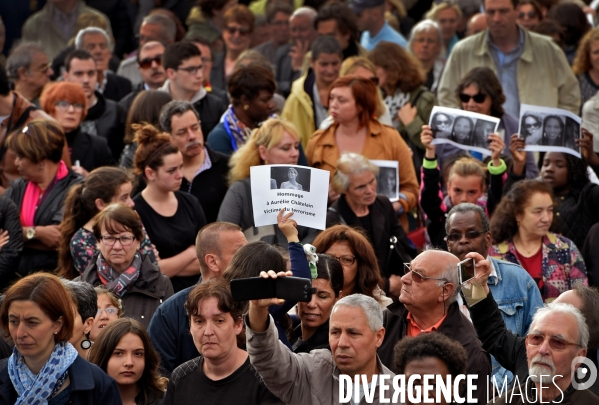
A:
(426, 44)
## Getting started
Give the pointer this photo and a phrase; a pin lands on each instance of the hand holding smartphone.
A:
(257, 288)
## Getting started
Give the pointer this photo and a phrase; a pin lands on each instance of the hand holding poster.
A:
(464, 129)
(387, 181)
(547, 129)
(298, 189)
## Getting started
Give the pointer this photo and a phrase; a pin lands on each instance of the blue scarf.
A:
(37, 389)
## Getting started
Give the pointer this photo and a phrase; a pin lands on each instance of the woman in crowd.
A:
(171, 217)
(85, 306)
(410, 104)
(574, 24)
(532, 129)
(361, 274)
(251, 90)
(426, 44)
(529, 14)
(586, 65)
(360, 206)
(11, 240)
(44, 366)
(78, 246)
(125, 353)
(462, 130)
(521, 233)
(313, 331)
(448, 15)
(122, 268)
(67, 104)
(110, 308)
(553, 131)
(145, 109)
(237, 33)
(275, 142)
(40, 193)
(353, 105)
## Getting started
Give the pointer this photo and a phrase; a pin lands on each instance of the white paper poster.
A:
(298, 189)
(387, 181)
(547, 129)
(464, 129)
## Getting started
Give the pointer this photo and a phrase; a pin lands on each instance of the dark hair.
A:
(275, 7)
(590, 302)
(118, 218)
(150, 384)
(550, 28)
(572, 20)
(535, 5)
(464, 208)
(208, 238)
(503, 223)
(343, 16)
(326, 44)
(4, 85)
(486, 81)
(403, 70)
(49, 294)
(175, 54)
(578, 175)
(330, 269)
(368, 274)
(561, 124)
(145, 109)
(116, 301)
(461, 118)
(525, 133)
(435, 345)
(253, 258)
(249, 82)
(80, 207)
(85, 298)
(209, 6)
(241, 15)
(39, 140)
(214, 288)
(151, 149)
(174, 107)
(365, 95)
(80, 54)
(514, 3)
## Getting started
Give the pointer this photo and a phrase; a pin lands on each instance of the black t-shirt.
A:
(172, 235)
(190, 386)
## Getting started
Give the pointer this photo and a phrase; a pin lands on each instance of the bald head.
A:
(476, 24)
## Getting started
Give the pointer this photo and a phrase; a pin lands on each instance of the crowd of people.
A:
(128, 130)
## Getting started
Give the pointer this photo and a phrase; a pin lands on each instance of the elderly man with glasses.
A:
(428, 304)
(29, 69)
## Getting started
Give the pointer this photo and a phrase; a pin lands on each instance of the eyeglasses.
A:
(242, 31)
(530, 14)
(478, 98)
(456, 237)
(192, 70)
(109, 311)
(422, 40)
(110, 240)
(417, 277)
(147, 62)
(65, 105)
(345, 260)
(556, 343)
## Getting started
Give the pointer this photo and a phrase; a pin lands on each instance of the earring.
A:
(86, 344)
(55, 332)
(246, 107)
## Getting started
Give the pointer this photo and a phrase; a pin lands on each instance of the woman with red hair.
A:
(67, 104)
(353, 104)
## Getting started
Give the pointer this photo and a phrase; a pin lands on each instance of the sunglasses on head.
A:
(242, 31)
(478, 98)
(147, 62)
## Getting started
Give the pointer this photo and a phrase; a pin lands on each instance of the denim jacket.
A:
(518, 298)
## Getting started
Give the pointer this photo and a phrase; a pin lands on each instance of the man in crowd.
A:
(355, 332)
(427, 303)
(154, 27)
(277, 18)
(519, 58)
(149, 64)
(514, 290)
(477, 23)
(205, 48)
(204, 170)
(290, 58)
(216, 244)
(371, 21)
(104, 117)
(184, 68)
(29, 69)
(95, 41)
(338, 20)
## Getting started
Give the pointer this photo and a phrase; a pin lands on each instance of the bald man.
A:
(476, 24)
(427, 303)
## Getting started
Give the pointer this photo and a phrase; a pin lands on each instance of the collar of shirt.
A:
(517, 50)
(415, 330)
(65, 22)
(205, 166)
(102, 86)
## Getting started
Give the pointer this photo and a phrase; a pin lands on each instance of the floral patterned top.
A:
(562, 263)
(83, 248)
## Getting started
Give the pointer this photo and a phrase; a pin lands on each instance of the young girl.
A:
(110, 308)
(123, 350)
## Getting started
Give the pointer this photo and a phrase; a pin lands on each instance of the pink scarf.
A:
(33, 194)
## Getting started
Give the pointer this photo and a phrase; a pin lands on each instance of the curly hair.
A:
(503, 222)
(582, 62)
(435, 345)
(153, 146)
(403, 70)
(486, 81)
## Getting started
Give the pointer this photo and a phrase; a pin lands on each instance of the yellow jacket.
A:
(299, 110)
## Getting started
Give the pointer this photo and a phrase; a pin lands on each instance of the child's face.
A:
(464, 189)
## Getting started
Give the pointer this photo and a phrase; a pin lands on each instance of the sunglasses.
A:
(530, 14)
(533, 125)
(147, 62)
(556, 343)
(242, 31)
(456, 237)
(45, 68)
(478, 98)
(417, 277)
(442, 122)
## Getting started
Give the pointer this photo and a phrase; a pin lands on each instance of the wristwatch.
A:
(30, 234)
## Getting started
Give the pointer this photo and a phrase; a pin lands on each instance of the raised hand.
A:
(496, 146)
(288, 226)
(426, 137)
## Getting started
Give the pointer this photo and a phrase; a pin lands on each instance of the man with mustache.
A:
(557, 336)
(515, 291)
(204, 170)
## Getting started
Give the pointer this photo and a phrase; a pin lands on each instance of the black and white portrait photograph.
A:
(289, 178)
(482, 130)
(441, 124)
(547, 129)
(462, 130)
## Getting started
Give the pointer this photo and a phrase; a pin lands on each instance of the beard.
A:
(536, 370)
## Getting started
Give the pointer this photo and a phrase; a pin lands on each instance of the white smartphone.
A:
(466, 270)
